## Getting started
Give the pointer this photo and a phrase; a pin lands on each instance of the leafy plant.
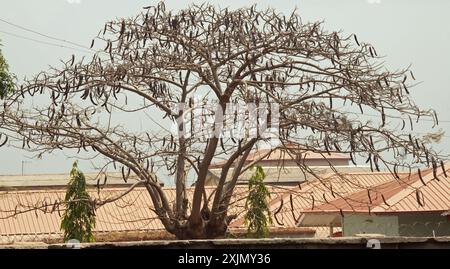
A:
(258, 216)
(6, 79)
(79, 218)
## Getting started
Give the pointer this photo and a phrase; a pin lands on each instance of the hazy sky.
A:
(407, 32)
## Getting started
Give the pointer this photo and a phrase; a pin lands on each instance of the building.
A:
(345, 204)
(409, 206)
(283, 167)
(288, 208)
(129, 218)
(50, 181)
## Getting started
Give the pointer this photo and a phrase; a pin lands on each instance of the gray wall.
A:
(366, 224)
(397, 225)
(423, 225)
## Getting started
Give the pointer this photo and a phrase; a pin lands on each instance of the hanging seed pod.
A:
(419, 198)
(4, 142)
(361, 108)
(420, 177)
(221, 144)
(356, 40)
(125, 177)
(436, 117)
(411, 139)
(122, 28)
(427, 157)
(406, 88)
(434, 164)
(384, 200)
(443, 168)
(78, 120)
(371, 52)
(97, 185)
(291, 201)
(396, 172)
(412, 75)
(352, 158)
(275, 215)
(375, 161)
(337, 147)
(332, 192)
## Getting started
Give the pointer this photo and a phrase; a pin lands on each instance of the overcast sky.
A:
(407, 32)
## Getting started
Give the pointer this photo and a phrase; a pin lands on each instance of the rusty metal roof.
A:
(133, 212)
(308, 195)
(409, 194)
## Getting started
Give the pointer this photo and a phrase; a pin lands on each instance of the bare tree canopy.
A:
(324, 84)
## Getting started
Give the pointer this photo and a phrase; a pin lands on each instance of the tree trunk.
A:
(206, 230)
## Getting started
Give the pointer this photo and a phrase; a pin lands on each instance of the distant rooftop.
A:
(294, 152)
(59, 180)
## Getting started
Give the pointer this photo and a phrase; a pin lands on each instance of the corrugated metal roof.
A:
(409, 194)
(417, 197)
(292, 174)
(51, 180)
(280, 154)
(311, 194)
(133, 212)
(130, 213)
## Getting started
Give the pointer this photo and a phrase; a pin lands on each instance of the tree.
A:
(326, 84)
(6, 79)
(257, 216)
(79, 217)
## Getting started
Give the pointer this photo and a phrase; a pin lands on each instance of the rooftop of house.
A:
(290, 206)
(133, 213)
(418, 193)
(45, 181)
(288, 152)
(407, 194)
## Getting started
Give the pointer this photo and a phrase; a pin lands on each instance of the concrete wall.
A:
(370, 224)
(424, 225)
(241, 244)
